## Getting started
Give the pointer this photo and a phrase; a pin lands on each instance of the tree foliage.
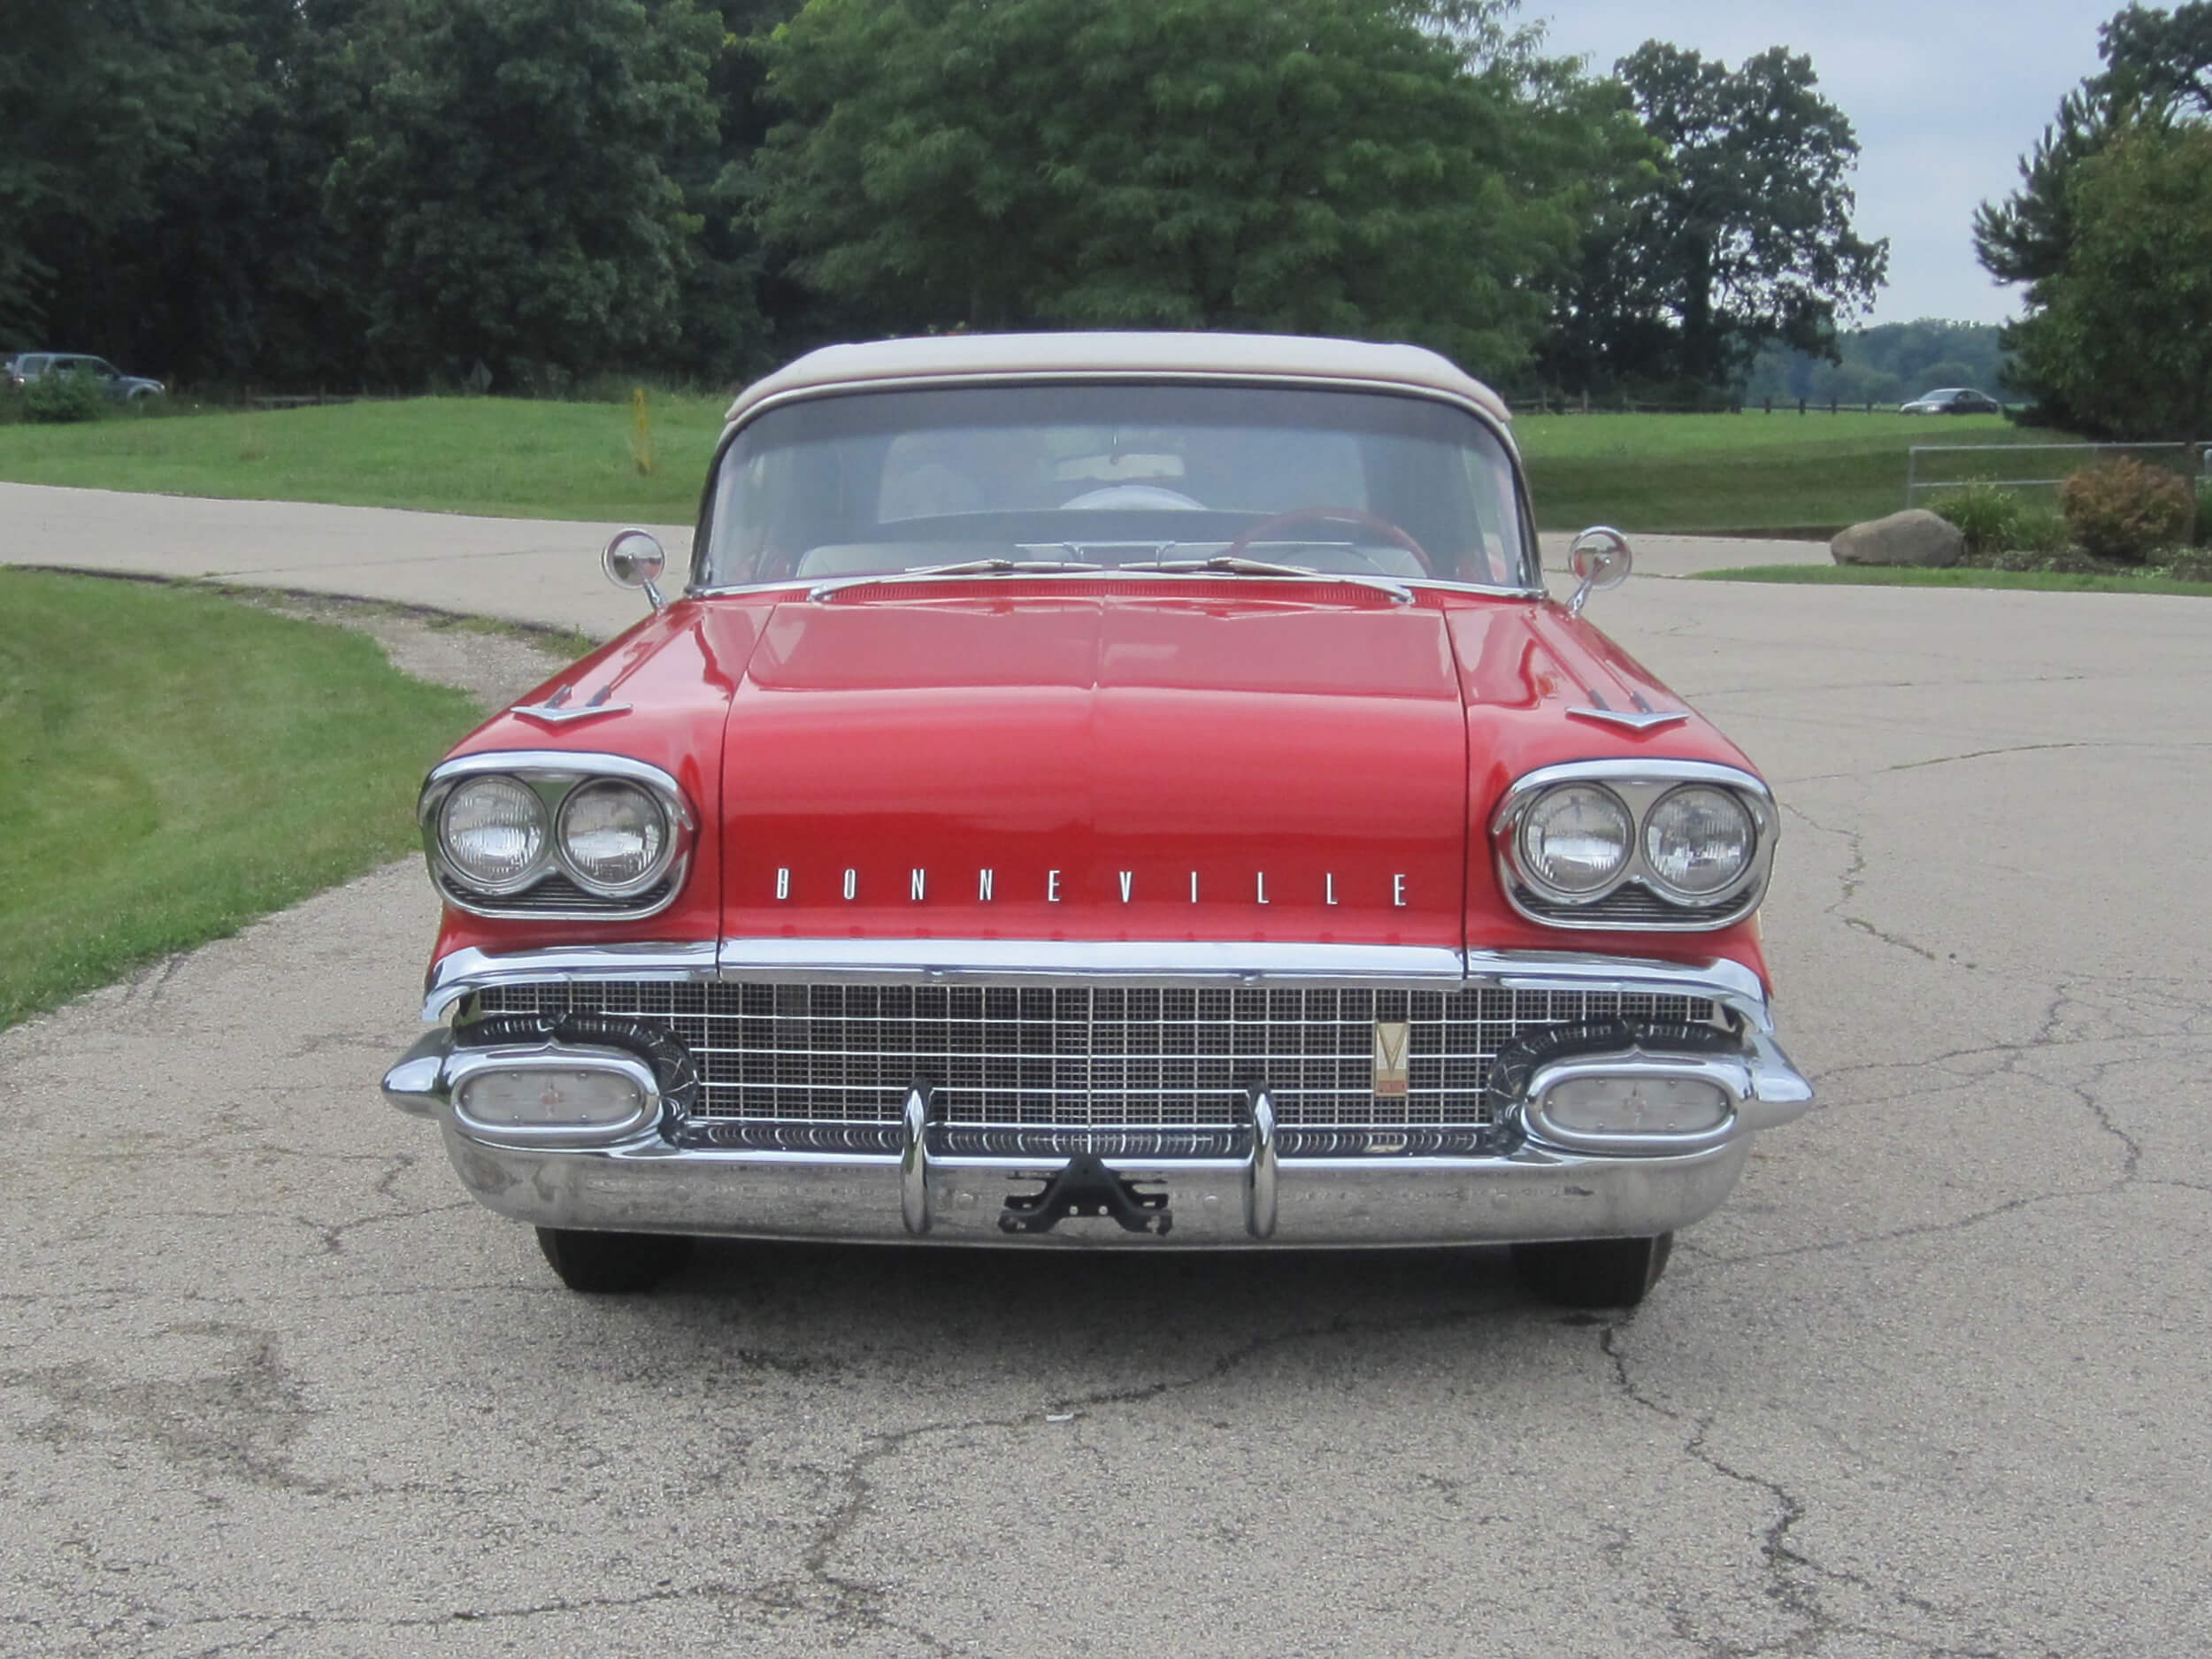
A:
(2107, 345)
(1363, 167)
(1886, 363)
(102, 104)
(506, 192)
(303, 194)
(1742, 236)
(2122, 335)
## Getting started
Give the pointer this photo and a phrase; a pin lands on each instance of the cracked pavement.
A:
(1932, 1383)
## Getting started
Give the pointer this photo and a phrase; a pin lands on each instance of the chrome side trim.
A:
(1640, 784)
(553, 775)
(1017, 961)
(456, 974)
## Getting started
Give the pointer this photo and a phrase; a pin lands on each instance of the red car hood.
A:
(1145, 764)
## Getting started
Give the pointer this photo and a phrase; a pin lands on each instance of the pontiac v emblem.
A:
(1393, 1040)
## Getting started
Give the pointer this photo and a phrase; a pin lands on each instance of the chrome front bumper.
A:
(1528, 1194)
(1530, 1189)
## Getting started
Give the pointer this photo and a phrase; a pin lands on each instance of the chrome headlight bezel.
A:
(554, 775)
(1639, 786)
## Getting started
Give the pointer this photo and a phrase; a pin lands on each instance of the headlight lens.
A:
(1576, 839)
(493, 832)
(1699, 841)
(612, 836)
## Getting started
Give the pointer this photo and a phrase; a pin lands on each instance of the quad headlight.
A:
(1576, 838)
(553, 835)
(1657, 845)
(493, 833)
(612, 837)
(1698, 841)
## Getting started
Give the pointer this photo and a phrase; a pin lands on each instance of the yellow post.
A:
(640, 433)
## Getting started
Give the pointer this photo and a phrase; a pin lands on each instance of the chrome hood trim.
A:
(1020, 960)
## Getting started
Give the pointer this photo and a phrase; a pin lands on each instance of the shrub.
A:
(59, 397)
(2123, 511)
(2040, 530)
(1987, 516)
(2204, 513)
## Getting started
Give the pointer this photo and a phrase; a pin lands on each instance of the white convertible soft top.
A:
(943, 357)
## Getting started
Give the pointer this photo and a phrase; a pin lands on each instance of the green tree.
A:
(1365, 167)
(2122, 336)
(1743, 235)
(2157, 77)
(2156, 64)
(105, 106)
(508, 193)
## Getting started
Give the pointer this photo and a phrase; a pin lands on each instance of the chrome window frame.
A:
(1639, 784)
(1525, 518)
(554, 775)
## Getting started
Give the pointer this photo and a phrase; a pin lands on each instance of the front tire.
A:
(1593, 1273)
(612, 1264)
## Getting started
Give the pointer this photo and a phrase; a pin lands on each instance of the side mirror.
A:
(634, 559)
(1601, 557)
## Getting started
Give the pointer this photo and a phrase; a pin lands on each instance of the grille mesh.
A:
(1081, 1057)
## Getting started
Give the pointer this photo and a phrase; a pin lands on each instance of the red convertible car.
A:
(1104, 790)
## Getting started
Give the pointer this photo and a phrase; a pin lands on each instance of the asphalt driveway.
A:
(1932, 1383)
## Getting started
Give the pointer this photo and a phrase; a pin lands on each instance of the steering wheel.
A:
(1351, 515)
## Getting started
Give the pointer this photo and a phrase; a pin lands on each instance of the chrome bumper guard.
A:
(1540, 1185)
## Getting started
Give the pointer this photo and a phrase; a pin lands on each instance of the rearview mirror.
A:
(635, 559)
(1601, 557)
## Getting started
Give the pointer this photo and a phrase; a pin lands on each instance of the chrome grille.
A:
(557, 895)
(1081, 1057)
(1630, 906)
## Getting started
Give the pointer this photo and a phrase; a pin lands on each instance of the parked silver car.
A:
(24, 368)
(1952, 399)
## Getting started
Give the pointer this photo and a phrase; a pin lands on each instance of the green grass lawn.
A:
(1748, 472)
(516, 457)
(178, 764)
(1905, 576)
(505, 457)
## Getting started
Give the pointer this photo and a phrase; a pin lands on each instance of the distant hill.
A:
(1887, 364)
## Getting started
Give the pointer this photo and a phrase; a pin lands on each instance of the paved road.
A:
(519, 569)
(1934, 1383)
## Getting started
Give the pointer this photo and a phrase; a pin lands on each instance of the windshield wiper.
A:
(1233, 564)
(965, 567)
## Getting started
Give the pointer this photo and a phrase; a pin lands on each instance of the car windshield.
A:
(1121, 476)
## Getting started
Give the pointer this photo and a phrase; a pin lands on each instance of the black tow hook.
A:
(1088, 1188)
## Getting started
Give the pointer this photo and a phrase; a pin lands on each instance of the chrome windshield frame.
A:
(1524, 519)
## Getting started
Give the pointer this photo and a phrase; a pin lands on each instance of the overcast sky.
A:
(1945, 95)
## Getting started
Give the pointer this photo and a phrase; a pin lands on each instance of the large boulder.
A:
(1915, 536)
